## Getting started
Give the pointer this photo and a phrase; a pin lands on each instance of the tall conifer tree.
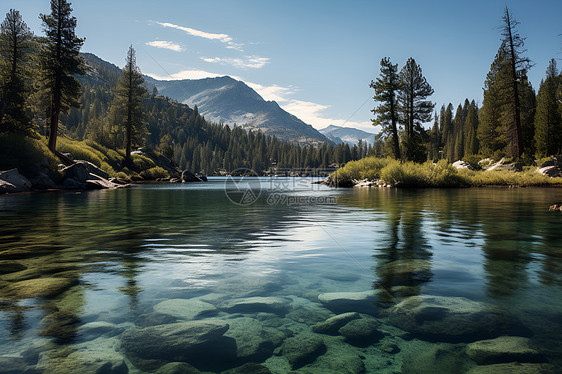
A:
(414, 109)
(386, 113)
(127, 109)
(15, 50)
(513, 45)
(548, 118)
(60, 60)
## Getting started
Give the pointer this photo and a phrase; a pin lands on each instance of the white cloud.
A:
(225, 38)
(166, 45)
(207, 35)
(311, 113)
(186, 74)
(272, 93)
(253, 62)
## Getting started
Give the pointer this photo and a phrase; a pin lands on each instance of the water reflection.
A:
(112, 255)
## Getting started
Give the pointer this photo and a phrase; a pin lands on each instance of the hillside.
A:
(229, 101)
(220, 100)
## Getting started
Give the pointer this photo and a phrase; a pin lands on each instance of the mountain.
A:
(221, 100)
(229, 101)
(348, 135)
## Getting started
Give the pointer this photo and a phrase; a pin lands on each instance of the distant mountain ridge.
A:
(349, 135)
(229, 101)
(222, 100)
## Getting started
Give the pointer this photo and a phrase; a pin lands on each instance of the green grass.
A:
(105, 159)
(442, 174)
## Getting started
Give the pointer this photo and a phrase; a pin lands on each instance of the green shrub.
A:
(140, 163)
(442, 174)
(155, 173)
(124, 177)
(29, 155)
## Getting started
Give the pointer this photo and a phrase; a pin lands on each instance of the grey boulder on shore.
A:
(12, 181)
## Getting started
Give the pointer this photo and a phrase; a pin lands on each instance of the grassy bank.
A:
(442, 174)
(31, 155)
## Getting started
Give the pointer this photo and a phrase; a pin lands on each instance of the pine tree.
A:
(386, 113)
(127, 109)
(548, 120)
(448, 133)
(491, 136)
(414, 109)
(435, 139)
(470, 130)
(457, 140)
(514, 44)
(15, 49)
(60, 60)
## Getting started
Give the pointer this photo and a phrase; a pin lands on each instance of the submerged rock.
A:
(333, 324)
(452, 319)
(41, 287)
(254, 342)
(154, 319)
(93, 357)
(438, 358)
(249, 368)
(96, 329)
(409, 271)
(256, 304)
(187, 309)
(199, 343)
(362, 332)
(177, 368)
(247, 286)
(302, 349)
(502, 350)
(340, 302)
(513, 368)
(13, 365)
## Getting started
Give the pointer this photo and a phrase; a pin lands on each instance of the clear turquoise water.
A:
(127, 250)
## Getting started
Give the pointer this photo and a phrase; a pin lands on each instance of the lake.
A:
(234, 272)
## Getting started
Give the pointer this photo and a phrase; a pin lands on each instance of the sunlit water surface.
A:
(125, 251)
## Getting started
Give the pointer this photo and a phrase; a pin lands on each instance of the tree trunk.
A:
(57, 91)
(395, 132)
(518, 131)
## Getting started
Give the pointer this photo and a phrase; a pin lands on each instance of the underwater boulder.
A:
(449, 319)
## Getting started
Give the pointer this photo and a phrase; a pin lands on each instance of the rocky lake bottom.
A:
(168, 279)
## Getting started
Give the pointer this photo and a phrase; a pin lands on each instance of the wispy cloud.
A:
(166, 45)
(225, 38)
(273, 93)
(254, 62)
(314, 114)
(186, 74)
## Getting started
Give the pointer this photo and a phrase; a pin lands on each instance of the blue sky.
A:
(316, 58)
